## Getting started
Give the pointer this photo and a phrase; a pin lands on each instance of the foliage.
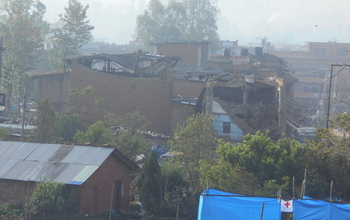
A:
(330, 152)
(131, 143)
(148, 185)
(164, 189)
(189, 20)
(46, 123)
(96, 134)
(74, 33)
(256, 166)
(132, 120)
(50, 197)
(68, 124)
(10, 209)
(177, 192)
(195, 139)
(4, 134)
(129, 140)
(222, 175)
(22, 38)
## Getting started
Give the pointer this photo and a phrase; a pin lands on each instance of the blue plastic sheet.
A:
(218, 205)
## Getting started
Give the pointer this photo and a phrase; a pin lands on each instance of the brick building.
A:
(315, 61)
(192, 53)
(97, 175)
(122, 83)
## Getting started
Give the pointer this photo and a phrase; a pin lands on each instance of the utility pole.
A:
(23, 113)
(330, 86)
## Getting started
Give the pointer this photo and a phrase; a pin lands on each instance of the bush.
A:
(50, 197)
(12, 209)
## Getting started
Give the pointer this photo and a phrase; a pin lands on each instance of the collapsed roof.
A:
(136, 64)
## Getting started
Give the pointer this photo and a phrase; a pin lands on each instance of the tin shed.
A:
(99, 175)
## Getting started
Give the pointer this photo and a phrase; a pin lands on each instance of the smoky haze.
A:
(289, 21)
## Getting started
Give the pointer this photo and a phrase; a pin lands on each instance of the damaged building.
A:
(245, 93)
(119, 84)
(248, 100)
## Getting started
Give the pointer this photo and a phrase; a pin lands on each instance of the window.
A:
(226, 127)
(306, 89)
(342, 52)
(314, 89)
(320, 51)
(297, 87)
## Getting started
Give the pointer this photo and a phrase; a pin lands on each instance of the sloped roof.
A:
(55, 162)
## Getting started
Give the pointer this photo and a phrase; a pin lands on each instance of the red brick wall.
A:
(14, 191)
(188, 52)
(187, 88)
(180, 114)
(147, 96)
(95, 194)
(56, 87)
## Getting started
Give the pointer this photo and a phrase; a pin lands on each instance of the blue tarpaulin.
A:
(320, 210)
(219, 205)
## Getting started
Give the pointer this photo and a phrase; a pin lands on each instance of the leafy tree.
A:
(74, 33)
(95, 134)
(195, 140)
(68, 124)
(46, 123)
(223, 175)
(331, 160)
(51, 198)
(148, 185)
(259, 164)
(128, 138)
(22, 38)
(189, 20)
(202, 17)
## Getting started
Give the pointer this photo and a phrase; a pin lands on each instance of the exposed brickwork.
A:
(15, 192)
(187, 88)
(149, 97)
(95, 193)
(180, 113)
(56, 87)
(188, 51)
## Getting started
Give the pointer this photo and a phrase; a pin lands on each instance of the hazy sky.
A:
(282, 21)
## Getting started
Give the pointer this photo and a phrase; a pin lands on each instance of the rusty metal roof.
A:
(55, 162)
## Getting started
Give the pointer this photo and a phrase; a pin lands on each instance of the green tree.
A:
(202, 17)
(68, 124)
(96, 134)
(46, 123)
(257, 162)
(195, 140)
(330, 152)
(148, 185)
(129, 138)
(189, 20)
(74, 33)
(22, 38)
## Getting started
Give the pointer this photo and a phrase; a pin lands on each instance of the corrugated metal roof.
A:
(55, 162)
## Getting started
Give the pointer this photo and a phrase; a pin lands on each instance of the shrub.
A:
(50, 197)
(12, 209)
